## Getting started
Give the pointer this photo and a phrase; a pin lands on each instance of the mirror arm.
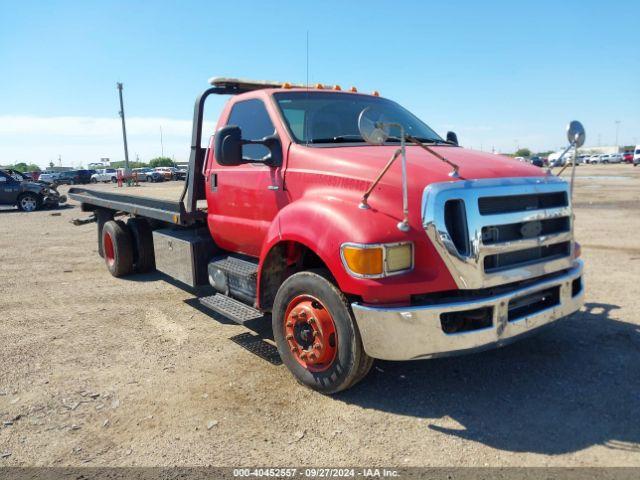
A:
(455, 167)
(363, 203)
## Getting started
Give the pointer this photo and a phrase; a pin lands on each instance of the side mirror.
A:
(228, 142)
(452, 138)
(272, 142)
(227, 146)
(3, 179)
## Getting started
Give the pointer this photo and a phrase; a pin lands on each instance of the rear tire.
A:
(118, 248)
(343, 359)
(142, 236)
(94, 180)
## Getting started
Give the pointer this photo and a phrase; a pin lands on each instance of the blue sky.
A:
(500, 74)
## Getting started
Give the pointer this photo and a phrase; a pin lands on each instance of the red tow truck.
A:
(310, 221)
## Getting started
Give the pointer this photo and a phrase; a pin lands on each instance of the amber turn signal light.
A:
(377, 259)
(363, 261)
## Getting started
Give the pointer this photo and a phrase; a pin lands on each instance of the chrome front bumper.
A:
(414, 332)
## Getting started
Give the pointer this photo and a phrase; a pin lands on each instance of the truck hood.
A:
(423, 167)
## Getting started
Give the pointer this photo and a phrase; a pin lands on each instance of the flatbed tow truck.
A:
(356, 228)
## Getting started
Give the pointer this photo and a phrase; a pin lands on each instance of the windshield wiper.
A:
(433, 141)
(430, 141)
(338, 139)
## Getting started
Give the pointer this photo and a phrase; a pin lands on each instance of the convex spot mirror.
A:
(452, 138)
(576, 134)
(371, 126)
(228, 142)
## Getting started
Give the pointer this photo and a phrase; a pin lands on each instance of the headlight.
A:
(377, 260)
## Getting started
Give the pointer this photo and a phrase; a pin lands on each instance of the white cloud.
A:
(80, 140)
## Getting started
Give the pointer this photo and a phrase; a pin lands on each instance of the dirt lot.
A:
(100, 371)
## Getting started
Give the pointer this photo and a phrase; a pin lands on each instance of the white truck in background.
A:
(105, 175)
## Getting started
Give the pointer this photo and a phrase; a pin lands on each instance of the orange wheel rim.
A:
(310, 333)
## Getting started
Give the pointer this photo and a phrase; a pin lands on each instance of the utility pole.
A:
(124, 129)
(617, 127)
(161, 143)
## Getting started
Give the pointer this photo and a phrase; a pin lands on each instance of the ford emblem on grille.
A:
(531, 229)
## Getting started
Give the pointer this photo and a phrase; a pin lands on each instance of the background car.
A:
(28, 195)
(147, 175)
(104, 175)
(48, 177)
(636, 156)
(627, 157)
(168, 172)
(182, 171)
(74, 177)
(537, 161)
(32, 175)
(615, 158)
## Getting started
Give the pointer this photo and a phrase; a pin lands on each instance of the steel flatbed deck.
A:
(165, 210)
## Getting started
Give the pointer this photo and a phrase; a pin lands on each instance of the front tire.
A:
(118, 248)
(29, 202)
(94, 180)
(316, 334)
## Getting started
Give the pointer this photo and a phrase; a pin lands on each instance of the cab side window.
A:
(252, 118)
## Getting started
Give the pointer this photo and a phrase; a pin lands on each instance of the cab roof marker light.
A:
(353, 89)
(319, 86)
(376, 93)
(337, 87)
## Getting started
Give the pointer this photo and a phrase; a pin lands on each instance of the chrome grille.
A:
(521, 203)
(495, 231)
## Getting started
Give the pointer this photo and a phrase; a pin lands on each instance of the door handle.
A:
(273, 187)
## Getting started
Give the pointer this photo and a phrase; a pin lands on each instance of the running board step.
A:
(231, 308)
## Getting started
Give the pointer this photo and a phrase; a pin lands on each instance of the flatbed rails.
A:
(170, 211)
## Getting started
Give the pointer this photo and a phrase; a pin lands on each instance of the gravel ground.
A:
(104, 372)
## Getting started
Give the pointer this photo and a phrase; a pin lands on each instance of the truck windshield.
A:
(324, 117)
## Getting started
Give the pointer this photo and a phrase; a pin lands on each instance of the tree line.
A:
(153, 163)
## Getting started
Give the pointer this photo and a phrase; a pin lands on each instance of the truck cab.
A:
(354, 255)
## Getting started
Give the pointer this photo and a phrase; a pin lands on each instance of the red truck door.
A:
(243, 200)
